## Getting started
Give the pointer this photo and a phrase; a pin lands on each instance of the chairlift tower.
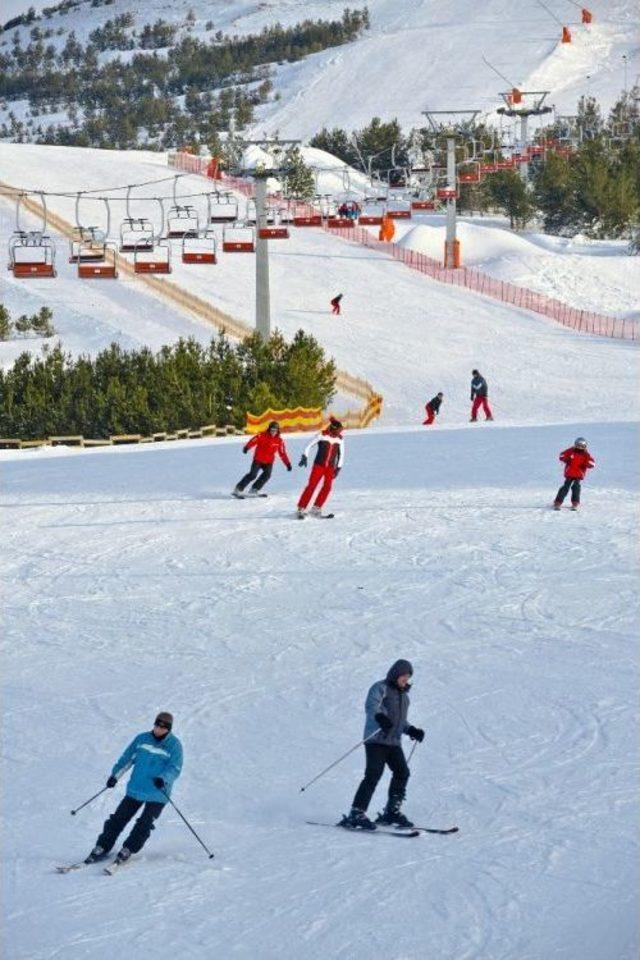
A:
(516, 106)
(454, 123)
(276, 148)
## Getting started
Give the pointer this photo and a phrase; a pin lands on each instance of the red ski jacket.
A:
(577, 462)
(267, 446)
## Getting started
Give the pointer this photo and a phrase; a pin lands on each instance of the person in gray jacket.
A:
(386, 709)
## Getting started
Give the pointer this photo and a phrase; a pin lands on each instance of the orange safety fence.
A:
(584, 321)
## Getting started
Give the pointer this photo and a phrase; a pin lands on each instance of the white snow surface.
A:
(417, 55)
(407, 335)
(132, 582)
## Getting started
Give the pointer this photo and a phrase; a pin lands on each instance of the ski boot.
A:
(391, 816)
(357, 820)
(557, 505)
(300, 514)
(575, 506)
(237, 492)
(316, 511)
(123, 856)
(473, 419)
(96, 855)
(489, 418)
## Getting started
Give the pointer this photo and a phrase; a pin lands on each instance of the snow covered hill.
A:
(132, 582)
(417, 55)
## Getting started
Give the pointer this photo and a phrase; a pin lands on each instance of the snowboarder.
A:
(267, 444)
(386, 709)
(432, 409)
(335, 305)
(156, 757)
(577, 460)
(326, 467)
(479, 394)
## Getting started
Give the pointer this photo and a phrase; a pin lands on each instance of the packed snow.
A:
(133, 582)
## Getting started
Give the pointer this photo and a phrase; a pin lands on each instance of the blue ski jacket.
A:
(150, 758)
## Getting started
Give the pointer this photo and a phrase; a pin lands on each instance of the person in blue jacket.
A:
(156, 758)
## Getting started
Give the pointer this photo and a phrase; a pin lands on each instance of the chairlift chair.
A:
(239, 238)
(399, 208)
(471, 172)
(32, 254)
(182, 221)
(202, 248)
(136, 234)
(87, 243)
(224, 208)
(105, 268)
(372, 212)
(153, 259)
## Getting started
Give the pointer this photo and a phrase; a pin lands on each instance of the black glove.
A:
(336, 471)
(303, 461)
(159, 782)
(383, 721)
(289, 468)
(245, 450)
(415, 733)
(111, 782)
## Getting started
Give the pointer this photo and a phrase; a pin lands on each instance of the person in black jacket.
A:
(432, 409)
(479, 395)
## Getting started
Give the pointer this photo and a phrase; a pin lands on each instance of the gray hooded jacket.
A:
(385, 697)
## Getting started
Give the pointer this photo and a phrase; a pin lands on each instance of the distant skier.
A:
(268, 444)
(335, 305)
(479, 394)
(328, 462)
(156, 758)
(577, 460)
(432, 409)
(386, 710)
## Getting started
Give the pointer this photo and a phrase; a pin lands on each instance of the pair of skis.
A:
(388, 831)
(248, 496)
(109, 868)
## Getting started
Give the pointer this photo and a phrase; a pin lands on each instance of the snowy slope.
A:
(132, 582)
(417, 54)
(407, 335)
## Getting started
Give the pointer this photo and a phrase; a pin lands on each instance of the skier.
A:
(386, 709)
(267, 444)
(156, 758)
(432, 409)
(335, 305)
(577, 460)
(326, 467)
(479, 394)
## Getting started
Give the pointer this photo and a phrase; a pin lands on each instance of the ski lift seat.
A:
(159, 263)
(273, 233)
(200, 249)
(32, 254)
(238, 239)
(136, 233)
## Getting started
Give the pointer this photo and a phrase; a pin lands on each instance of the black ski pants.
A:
(256, 467)
(574, 485)
(379, 754)
(125, 811)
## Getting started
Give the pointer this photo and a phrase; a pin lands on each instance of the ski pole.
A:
(73, 812)
(184, 819)
(411, 753)
(336, 762)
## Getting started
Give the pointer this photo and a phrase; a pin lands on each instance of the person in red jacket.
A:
(326, 467)
(335, 304)
(577, 461)
(267, 444)
(432, 409)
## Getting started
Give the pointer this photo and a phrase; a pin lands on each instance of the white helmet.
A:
(580, 443)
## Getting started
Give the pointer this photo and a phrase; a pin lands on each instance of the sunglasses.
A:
(162, 724)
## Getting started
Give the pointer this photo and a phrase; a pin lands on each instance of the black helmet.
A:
(335, 425)
(274, 423)
(580, 443)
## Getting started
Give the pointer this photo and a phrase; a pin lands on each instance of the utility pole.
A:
(450, 129)
(514, 107)
(276, 149)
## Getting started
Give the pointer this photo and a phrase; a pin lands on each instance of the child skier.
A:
(335, 305)
(326, 467)
(432, 409)
(479, 394)
(386, 709)
(577, 460)
(156, 758)
(267, 444)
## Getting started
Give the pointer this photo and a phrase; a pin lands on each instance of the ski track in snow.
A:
(132, 582)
